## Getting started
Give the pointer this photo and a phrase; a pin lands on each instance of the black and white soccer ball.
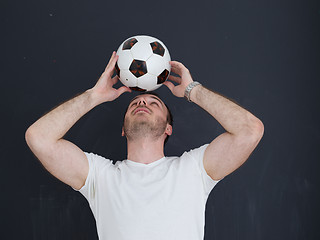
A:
(143, 63)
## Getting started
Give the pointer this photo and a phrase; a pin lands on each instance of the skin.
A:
(67, 162)
(146, 144)
(231, 149)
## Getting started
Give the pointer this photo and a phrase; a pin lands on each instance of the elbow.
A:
(30, 136)
(256, 129)
(259, 128)
(39, 140)
(252, 129)
(33, 138)
(37, 143)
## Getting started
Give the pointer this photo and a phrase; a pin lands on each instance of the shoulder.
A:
(191, 157)
(195, 153)
(97, 162)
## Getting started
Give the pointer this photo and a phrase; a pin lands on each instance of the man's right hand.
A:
(104, 91)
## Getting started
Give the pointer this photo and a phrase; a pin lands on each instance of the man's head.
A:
(147, 115)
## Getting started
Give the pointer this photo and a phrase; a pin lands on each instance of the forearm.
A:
(55, 124)
(233, 118)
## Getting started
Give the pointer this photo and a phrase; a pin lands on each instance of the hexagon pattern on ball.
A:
(126, 59)
(147, 81)
(155, 64)
(143, 63)
(128, 77)
(140, 51)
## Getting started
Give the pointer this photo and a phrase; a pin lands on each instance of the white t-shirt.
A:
(163, 200)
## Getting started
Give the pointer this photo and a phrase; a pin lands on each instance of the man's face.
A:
(146, 116)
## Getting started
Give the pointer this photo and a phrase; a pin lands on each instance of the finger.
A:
(115, 79)
(123, 89)
(112, 56)
(175, 79)
(112, 61)
(175, 71)
(178, 67)
(170, 85)
(177, 64)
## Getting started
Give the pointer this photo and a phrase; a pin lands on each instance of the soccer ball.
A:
(143, 63)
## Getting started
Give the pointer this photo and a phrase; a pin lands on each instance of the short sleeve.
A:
(197, 155)
(97, 165)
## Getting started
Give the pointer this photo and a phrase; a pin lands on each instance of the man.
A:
(148, 196)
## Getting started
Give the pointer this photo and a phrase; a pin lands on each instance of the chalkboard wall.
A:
(262, 54)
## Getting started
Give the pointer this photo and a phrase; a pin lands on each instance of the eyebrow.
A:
(152, 96)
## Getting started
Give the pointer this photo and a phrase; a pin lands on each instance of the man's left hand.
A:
(183, 80)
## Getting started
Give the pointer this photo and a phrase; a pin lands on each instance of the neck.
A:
(145, 150)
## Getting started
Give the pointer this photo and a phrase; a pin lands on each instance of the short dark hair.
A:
(169, 114)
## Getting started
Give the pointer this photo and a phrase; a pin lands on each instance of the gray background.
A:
(263, 54)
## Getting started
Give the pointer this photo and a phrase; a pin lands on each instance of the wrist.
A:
(94, 97)
(194, 93)
(190, 89)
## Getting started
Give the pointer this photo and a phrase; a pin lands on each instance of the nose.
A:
(142, 101)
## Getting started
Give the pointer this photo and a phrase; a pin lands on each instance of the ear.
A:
(122, 132)
(168, 130)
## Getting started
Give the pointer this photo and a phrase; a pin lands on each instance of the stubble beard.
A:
(135, 130)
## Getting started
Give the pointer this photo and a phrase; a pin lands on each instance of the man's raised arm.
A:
(61, 158)
(231, 149)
